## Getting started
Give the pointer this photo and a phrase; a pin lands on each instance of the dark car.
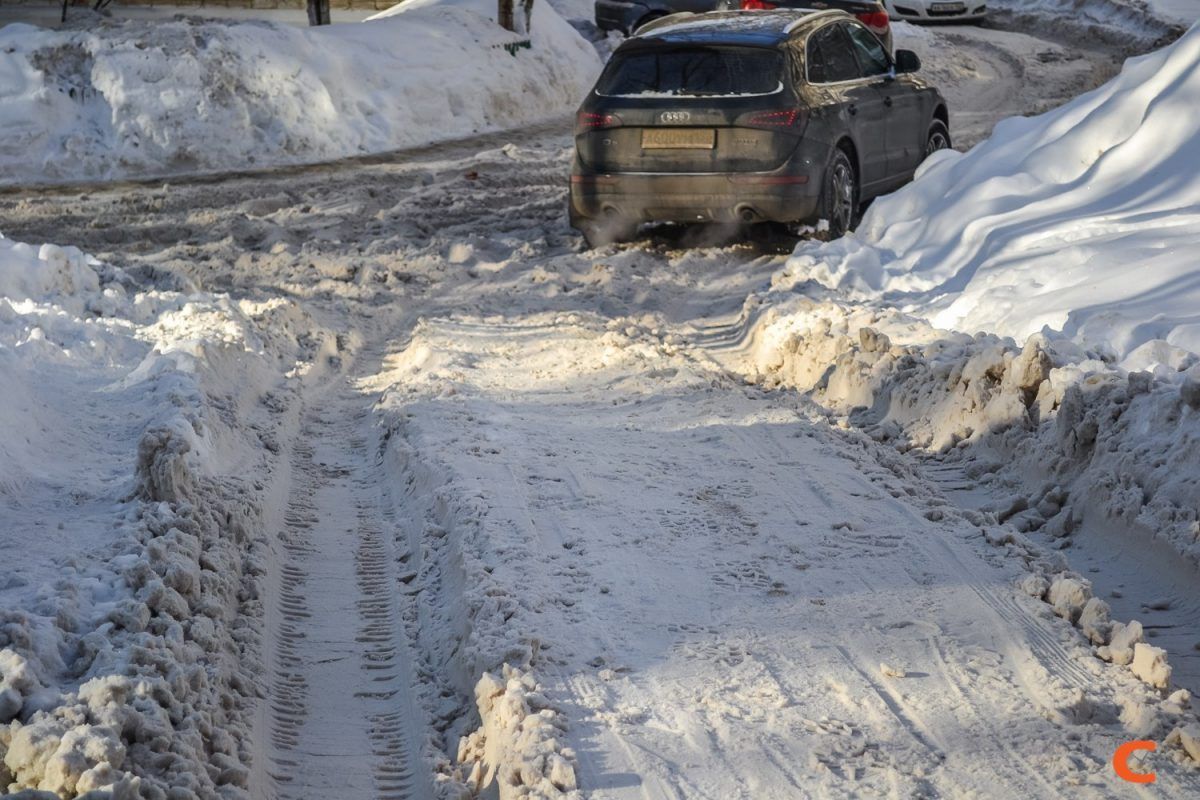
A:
(746, 117)
(871, 13)
(627, 16)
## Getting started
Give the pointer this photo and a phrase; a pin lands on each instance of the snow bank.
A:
(144, 98)
(1077, 437)
(128, 625)
(1124, 23)
(31, 273)
(1081, 436)
(1080, 222)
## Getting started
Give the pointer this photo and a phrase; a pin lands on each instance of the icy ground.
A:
(417, 495)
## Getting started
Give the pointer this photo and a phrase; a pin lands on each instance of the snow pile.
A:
(1122, 23)
(144, 98)
(1147, 710)
(128, 633)
(1121, 643)
(518, 743)
(1081, 222)
(1080, 436)
(469, 628)
(31, 273)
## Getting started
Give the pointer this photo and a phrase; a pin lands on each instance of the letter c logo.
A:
(1120, 761)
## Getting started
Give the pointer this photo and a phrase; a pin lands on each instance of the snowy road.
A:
(525, 453)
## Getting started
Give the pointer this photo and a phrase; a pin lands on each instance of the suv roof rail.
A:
(661, 21)
(802, 17)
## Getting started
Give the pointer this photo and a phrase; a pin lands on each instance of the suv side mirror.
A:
(907, 61)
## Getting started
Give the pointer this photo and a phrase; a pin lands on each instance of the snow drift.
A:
(1079, 438)
(137, 98)
(1081, 223)
(1122, 23)
(133, 538)
(1031, 312)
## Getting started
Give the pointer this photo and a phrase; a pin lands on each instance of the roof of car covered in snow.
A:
(730, 27)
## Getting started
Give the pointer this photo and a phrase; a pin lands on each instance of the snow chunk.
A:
(1034, 585)
(518, 744)
(63, 274)
(1124, 637)
(17, 681)
(1068, 595)
(1150, 665)
(1188, 738)
(51, 755)
(1094, 620)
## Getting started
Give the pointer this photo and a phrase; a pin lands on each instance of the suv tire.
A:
(938, 138)
(839, 195)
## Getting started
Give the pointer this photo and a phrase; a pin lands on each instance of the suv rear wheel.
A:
(839, 195)
(937, 139)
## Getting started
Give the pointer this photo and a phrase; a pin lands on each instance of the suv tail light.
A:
(787, 119)
(757, 5)
(876, 21)
(591, 121)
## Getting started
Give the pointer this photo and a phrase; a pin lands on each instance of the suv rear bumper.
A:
(742, 197)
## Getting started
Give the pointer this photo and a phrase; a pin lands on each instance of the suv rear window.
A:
(693, 72)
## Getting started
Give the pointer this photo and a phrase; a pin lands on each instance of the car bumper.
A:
(613, 15)
(971, 12)
(717, 197)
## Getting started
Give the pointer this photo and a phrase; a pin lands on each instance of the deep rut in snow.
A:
(340, 721)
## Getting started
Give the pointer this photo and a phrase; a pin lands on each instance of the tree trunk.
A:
(506, 15)
(508, 18)
(318, 12)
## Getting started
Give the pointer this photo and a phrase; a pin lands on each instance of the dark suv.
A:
(766, 116)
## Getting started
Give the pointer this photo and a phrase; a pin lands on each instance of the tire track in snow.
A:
(341, 720)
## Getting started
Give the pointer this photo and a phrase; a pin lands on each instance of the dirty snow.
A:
(134, 546)
(1135, 25)
(140, 98)
(372, 481)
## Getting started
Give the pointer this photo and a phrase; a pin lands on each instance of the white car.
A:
(937, 10)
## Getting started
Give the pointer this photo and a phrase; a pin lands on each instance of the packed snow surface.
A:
(1081, 222)
(540, 521)
(151, 97)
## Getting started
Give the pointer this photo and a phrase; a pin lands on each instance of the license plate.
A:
(948, 6)
(679, 139)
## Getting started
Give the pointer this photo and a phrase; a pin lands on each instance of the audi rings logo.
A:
(675, 116)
